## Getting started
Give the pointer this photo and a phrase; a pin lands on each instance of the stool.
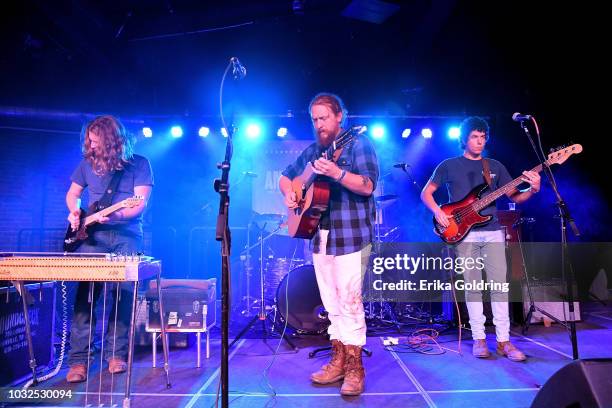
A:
(187, 309)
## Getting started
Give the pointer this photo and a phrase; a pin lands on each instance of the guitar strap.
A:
(111, 189)
(486, 172)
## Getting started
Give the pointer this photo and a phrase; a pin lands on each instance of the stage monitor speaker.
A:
(580, 384)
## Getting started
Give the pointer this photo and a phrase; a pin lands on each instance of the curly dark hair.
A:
(116, 145)
(470, 124)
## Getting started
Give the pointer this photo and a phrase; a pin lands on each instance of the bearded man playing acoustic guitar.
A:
(107, 157)
(342, 242)
(461, 174)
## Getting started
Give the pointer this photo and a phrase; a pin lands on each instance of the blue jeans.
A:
(115, 341)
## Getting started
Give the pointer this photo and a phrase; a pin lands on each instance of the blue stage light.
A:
(147, 132)
(281, 132)
(426, 133)
(203, 131)
(454, 132)
(253, 131)
(377, 131)
(176, 131)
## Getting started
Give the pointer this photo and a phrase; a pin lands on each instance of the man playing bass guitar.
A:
(460, 175)
(342, 241)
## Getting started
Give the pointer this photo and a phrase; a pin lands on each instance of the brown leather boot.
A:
(334, 370)
(509, 350)
(480, 349)
(354, 373)
(77, 373)
(116, 365)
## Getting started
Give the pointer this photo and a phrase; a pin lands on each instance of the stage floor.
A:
(393, 378)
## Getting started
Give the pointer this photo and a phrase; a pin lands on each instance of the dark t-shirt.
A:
(461, 175)
(138, 173)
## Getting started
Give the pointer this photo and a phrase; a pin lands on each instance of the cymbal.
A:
(384, 201)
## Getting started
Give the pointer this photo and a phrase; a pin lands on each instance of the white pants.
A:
(340, 280)
(490, 246)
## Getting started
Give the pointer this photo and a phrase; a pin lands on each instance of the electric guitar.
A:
(466, 212)
(74, 239)
(312, 192)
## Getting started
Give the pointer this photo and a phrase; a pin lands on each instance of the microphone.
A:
(238, 70)
(402, 166)
(249, 174)
(517, 117)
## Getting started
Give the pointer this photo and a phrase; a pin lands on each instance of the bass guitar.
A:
(465, 214)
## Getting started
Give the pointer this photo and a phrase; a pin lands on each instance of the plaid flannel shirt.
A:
(352, 216)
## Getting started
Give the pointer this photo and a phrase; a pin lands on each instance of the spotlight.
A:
(406, 133)
(147, 132)
(204, 131)
(176, 131)
(377, 132)
(426, 133)
(454, 132)
(281, 132)
(253, 131)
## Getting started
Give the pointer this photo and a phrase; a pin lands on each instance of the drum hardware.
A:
(382, 201)
(272, 223)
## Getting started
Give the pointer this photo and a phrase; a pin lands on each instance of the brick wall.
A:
(35, 169)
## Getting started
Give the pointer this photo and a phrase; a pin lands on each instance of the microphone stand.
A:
(223, 234)
(411, 177)
(564, 219)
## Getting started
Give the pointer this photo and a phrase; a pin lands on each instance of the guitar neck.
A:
(343, 140)
(487, 200)
(104, 213)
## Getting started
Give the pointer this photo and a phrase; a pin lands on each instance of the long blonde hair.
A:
(116, 145)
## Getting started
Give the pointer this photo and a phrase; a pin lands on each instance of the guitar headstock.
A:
(348, 136)
(133, 201)
(358, 129)
(561, 154)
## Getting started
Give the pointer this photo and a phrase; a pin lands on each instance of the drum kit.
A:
(287, 290)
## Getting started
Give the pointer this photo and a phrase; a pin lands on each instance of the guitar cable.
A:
(60, 359)
(459, 337)
(282, 336)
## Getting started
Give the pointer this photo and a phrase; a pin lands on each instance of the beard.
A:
(325, 138)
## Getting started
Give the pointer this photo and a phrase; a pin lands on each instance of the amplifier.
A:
(548, 295)
(187, 307)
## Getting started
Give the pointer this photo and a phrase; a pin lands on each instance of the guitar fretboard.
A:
(105, 212)
(487, 200)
